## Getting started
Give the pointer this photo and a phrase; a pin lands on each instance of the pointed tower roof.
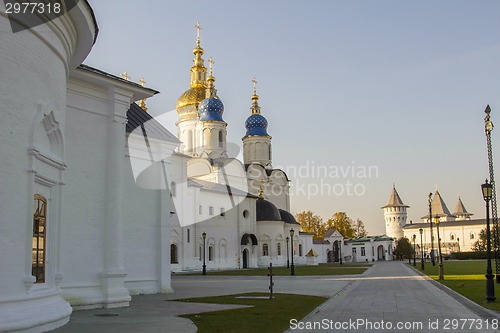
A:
(460, 209)
(438, 206)
(395, 199)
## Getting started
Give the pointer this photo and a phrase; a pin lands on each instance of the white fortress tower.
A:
(395, 215)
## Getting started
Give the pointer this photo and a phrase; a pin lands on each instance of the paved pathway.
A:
(391, 294)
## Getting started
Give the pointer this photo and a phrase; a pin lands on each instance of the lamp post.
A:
(441, 273)
(287, 254)
(432, 234)
(421, 248)
(414, 251)
(204, 236)
(340, 251)
(292, 271)
(490, 287)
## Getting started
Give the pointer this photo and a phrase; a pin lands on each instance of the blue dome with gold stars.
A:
(211, 109)
(256, 124)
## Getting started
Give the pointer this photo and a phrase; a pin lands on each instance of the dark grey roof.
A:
(150, 127)
(267, 211)
(446, 224)
(331, 231)
(460, 209)
(369, 238)
(287, 217)
(114, 77)
(305, 233)
(395, 200)
(438, 207)
(321, 241)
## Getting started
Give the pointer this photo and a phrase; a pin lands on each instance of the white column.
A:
(112, 278)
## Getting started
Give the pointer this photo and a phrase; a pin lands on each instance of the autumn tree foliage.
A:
(314, 224)
(310, 222)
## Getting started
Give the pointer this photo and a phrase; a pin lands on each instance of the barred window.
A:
(265, 249)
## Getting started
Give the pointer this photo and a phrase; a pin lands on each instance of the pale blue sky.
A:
(400, 85)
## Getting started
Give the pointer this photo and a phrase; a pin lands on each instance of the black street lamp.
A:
(458, 243)
(441, 272)
(432, 234)
(204, 235)
(292, 271)
(414, 251)
(340, 250)
(287, 254)
(421, 248)
(490, 287)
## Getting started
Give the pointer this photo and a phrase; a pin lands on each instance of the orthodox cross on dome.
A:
(198, 32)
(142, 82)
(125, 76)
(254, 85)
(211, 62)
(261, 191)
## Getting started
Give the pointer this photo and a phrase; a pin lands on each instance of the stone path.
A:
(393, 297)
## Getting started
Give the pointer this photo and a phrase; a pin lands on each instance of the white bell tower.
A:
(395, 215)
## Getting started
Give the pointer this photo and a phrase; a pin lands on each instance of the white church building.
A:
(228, 214)
(77, 232)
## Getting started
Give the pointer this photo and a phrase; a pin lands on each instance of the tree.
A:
(404, 248)
(343, 223)
(480, 244)
(360, 228)
(309, 222)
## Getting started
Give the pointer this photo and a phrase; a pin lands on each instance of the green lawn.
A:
(265, 315)
(465, 277)
(335, 269)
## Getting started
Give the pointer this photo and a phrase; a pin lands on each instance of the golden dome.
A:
(191, 96)
(187, 104)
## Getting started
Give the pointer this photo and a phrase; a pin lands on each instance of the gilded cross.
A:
(125, 76)
(254, 86)
(198, 32)
(142, 82)
(211, 62)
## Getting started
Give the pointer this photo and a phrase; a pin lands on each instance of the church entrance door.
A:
(245, 258)
(380, 253)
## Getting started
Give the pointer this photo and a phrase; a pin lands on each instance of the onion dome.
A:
(287, 217)
(256, 124)
(211, 108)
(267, 211)
(187, 104)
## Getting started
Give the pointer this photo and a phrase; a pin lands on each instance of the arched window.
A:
(278, 248)
(452, 236)
(265, 249)
(211, 210)
(39, 236)
(221, 142)
(300, 250)
(471, 235)
(173, 254)
(211, 253)
(200, 251)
